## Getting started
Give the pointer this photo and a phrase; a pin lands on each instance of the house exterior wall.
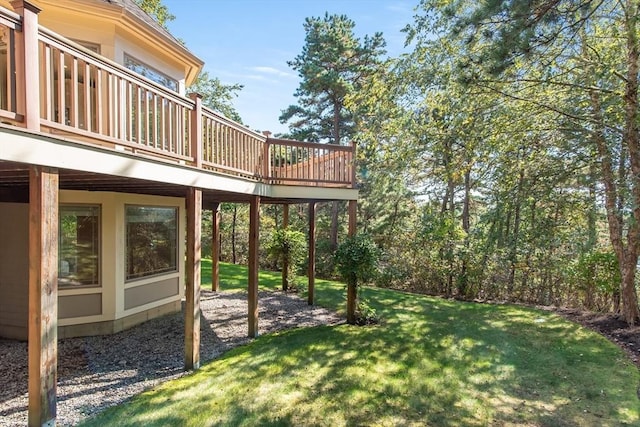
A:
(117, 303)
(150, 292)
(114, 43)
(14, 270)
(106, 27)
(83, 29)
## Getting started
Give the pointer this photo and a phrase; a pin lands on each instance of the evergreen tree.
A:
(333, 64)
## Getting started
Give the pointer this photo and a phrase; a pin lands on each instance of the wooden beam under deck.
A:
(254, 234)
(352, 294)
(285, 261)
(311, 273)
(43, 295)
(215, 247)
(192, 289)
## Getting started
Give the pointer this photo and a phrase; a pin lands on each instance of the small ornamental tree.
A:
(357, 262)
(288, 248)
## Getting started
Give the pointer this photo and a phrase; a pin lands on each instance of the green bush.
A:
(596, 275)
(356, 259)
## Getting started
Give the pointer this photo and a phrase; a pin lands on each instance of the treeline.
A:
(499, 159)
(515, 127)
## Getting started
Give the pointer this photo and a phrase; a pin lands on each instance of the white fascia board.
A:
(18, 145)
(34, 148)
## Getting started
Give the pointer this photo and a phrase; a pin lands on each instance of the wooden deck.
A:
(89, 99)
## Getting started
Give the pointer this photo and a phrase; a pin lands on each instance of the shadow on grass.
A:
(431, 362)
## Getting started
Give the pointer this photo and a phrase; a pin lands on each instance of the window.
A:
(150, 73)
(93, 47)
(79, 246)
(152, 241)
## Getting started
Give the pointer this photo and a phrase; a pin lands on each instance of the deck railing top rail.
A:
(93, 100)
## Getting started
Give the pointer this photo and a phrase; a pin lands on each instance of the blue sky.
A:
(250, 41)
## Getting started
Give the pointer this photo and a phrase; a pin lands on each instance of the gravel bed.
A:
(98, 372)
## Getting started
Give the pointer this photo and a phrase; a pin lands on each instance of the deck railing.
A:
(90, 99)
(305, 163)
(230, 147)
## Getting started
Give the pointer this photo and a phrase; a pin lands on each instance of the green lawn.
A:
(431, 362)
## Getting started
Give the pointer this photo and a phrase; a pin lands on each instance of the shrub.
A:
(356, 260)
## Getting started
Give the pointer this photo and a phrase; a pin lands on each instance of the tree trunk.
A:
(513, 252)
(630, 309)
(463, 281)
(337, 106)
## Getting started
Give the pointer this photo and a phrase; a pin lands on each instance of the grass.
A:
(431, 362)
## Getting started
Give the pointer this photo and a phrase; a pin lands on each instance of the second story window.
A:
(93, 47)
(151, 73)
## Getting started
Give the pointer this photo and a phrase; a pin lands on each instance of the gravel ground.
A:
(98, 372)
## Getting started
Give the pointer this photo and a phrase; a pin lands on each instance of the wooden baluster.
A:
(99, 102)
(61, 89)
(110, 101)
(48, 83)
(170, 127)
(122, 108)
(138, 115)
(129, 111)
(87, 116)
(12, 74)
(73, 93)
(155, 118)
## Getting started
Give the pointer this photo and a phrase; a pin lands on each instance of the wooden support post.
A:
(195, 132)
(353, 216)
(352, 294)
(285, 262)
(311, 273)
(215, 247)
(254, 234)
(192, 288)
(28, 76)
(43, 295)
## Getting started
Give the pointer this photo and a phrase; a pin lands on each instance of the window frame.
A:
(92, 46)
(155, 75)
(63, 283)
(176, 267)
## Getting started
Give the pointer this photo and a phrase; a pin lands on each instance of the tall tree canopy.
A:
(523, 109)
(217, 95)
(333, 64)
(499, 158)
(583, 57)
(157, 10)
